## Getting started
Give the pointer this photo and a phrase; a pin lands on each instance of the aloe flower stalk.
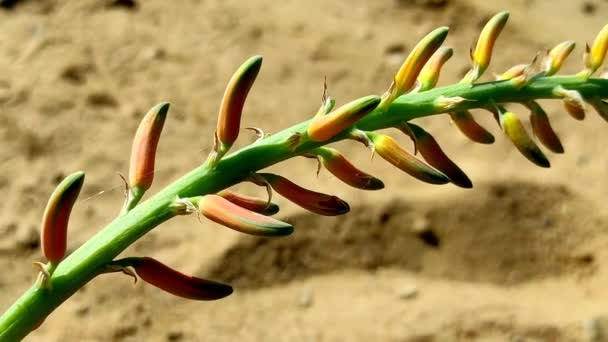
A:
(196, 191)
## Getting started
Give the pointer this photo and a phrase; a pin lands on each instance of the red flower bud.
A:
(143, 150)
(470, 128)
(229, 120)
(56, 216)
(542, 128)
(226, 213)
(340, 167)
(434, 155)
(315, 202)
(165, 278)
(254, 204)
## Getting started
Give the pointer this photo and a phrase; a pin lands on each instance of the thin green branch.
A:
(91, 258)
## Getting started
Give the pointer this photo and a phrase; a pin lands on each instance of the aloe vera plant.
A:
(411, 95)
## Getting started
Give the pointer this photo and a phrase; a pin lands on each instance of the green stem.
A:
(91, 258)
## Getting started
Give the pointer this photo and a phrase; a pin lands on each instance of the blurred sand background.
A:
(521, 257)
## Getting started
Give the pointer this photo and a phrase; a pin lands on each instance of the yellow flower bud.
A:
(482, 54)
(429, 75)
(556, 57)
(405, 78)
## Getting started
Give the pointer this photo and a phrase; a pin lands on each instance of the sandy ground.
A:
(521, 257)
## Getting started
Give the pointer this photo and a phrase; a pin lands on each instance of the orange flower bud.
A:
(514, 129)
(229, 120)
(557, 56)
(405, 78)
(513, 72)
(254, 204)
(165, 278)
(340, 167)
(143, 150)
(542, 128)
(470, 128)
(56, 216)
(429, 75)
(482, 54)
(434, 155)
(315, 202)
(573, 102)
(226, 213)
(390, 151)
(325, 127)
(597, 53)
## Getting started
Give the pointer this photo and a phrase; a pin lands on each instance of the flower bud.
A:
(597, 53)
(325, 127)
(513, 72)
(390, 151)
(434, 155)
(514, 129)
(54, 227)
(542, 128)
(482, 54)
(405, 78)
(229, 120)
(470, 128)
(165, 278)
(557, 56)
(143, 150)
(315, 202)
(429, 75)
(573, 102)
(226, 213)
(340, 167)
(254, 204)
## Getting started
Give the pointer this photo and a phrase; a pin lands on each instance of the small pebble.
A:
(306, 298)
(593, 332)
(408, 293)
